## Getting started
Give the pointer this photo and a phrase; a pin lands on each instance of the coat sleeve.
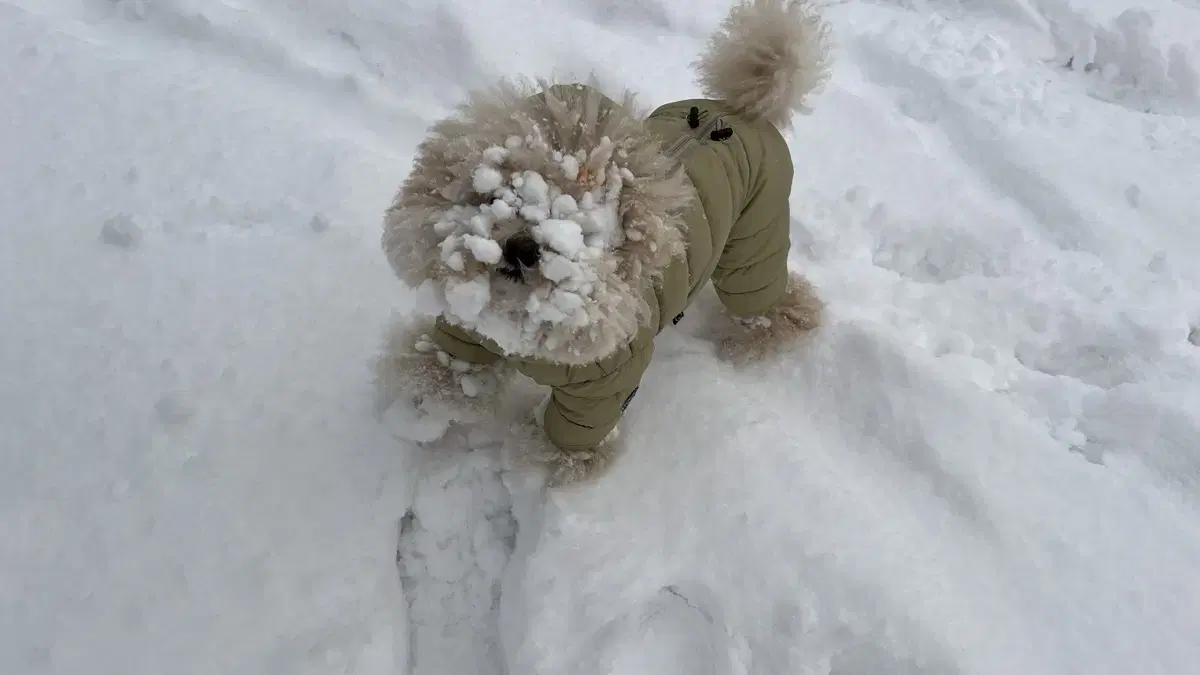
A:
(587, 401)
(462, 344)
(752, 274)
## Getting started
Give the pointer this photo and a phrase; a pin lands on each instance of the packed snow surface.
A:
(987, 462)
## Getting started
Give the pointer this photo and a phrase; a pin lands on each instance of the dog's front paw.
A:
(471, 380)
(421, 389)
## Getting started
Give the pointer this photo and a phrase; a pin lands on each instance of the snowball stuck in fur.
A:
(484, 250)
(563, 206)
(536, 196)
(566, 301)
(449, 248)
(467, 299)
(603, 221)
(534, 188)
(501, 209)
(495, 155)
(557, 268)
(481, 225)
(486, 179)
(570, 167)
(564, 236)
(544, 311)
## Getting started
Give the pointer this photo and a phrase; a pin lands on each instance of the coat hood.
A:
(542, 215)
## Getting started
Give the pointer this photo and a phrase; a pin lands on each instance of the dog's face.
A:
(541, 220)
(530, 247)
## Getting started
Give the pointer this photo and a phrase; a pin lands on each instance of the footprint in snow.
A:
(676, 631)
(1133, 195)
(454, 545)
(173, 409)
(121, 231)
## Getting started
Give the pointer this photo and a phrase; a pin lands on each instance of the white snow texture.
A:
(988, 461)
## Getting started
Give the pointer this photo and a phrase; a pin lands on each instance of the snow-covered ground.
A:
(988, 462)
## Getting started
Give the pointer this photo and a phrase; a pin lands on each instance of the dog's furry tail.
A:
(766, 58)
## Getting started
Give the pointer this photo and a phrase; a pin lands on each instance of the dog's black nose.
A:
(521, 251)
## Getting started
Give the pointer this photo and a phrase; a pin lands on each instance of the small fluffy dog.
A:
(562, 230)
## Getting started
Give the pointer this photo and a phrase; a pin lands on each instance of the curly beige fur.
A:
(768, 56)
(797, 314)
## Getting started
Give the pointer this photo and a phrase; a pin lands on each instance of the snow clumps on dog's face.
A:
(534, 252)
(541, 220)
(537, 254)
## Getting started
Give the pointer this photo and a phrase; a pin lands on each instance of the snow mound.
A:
(1127, 63)
(874, 573)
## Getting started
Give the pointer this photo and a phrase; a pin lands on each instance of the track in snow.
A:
(455, 542)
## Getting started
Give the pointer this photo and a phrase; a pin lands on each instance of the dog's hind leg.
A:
(771, 306)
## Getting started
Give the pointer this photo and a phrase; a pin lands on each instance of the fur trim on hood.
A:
(543, 215)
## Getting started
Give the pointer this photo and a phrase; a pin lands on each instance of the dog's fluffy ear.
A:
(766, 58)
